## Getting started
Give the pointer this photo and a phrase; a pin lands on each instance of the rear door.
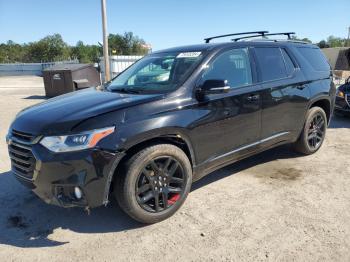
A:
(284, 93)
(231, 120)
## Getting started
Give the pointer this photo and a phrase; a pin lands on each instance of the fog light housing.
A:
(78, 193)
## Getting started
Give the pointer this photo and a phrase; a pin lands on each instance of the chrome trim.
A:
(34, 141)
(27, 162)
(273, 137)
(18, 133)
(251, 145)
(24, 169)
(22, 177)
(224, 88)
(21, 145)
(18, 166)
(20, 153)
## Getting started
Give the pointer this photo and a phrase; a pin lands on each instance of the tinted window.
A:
(271, 63)
(315, 58)
(233, 66)
(288, 62)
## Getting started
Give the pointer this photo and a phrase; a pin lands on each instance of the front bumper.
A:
(56, 175)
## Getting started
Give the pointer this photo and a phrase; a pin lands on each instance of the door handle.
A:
(253, 97)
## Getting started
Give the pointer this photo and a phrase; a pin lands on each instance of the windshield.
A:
(156, 73)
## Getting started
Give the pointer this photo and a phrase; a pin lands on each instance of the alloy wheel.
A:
(160, 184)
(316, 131)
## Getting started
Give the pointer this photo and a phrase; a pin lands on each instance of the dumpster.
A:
(65, 78)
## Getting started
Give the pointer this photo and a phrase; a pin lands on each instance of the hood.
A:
(59, 115)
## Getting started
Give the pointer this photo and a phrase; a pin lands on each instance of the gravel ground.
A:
(276, 206)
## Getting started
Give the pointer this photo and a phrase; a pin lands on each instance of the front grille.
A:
(20, 151)
(27, 138)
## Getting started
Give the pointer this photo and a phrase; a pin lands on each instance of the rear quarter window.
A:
(315, 58)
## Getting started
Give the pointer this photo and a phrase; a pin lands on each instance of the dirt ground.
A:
(276, 206)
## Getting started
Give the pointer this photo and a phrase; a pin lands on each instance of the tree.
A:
(86, 53)
(323, 44)
(127, 44)
(53, 48)
(50, 48)
(11, 52)
(294, 37)
(335, 41)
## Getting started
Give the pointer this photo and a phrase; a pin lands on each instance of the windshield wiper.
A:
(126, 91)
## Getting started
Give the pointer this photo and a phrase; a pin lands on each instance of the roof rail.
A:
(245, 37)
(282, 40)
(260, 33)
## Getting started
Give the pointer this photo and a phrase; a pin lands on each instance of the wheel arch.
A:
(325, 104)
(173, 138)
(176, 138)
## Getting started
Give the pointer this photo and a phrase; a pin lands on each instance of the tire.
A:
(138, 174)
(304, 144)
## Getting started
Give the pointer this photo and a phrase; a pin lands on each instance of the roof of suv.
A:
(212, 46)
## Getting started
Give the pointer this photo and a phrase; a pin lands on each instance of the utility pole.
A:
(348, 42)
(105, 41)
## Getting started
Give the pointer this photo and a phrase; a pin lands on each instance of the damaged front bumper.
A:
(56, 177)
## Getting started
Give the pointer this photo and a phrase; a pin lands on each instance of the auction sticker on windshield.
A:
(188, 54)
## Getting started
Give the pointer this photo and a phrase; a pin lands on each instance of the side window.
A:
(288, 62)
(271, 63)
(315, 58)
(233, 66)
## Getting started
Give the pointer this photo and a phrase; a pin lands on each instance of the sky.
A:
(167, 23)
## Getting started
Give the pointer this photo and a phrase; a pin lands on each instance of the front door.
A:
(231, 121)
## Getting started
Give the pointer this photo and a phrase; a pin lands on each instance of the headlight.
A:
(75, 142)
(340, 94)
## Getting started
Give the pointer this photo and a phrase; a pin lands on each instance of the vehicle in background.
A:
(342, 101)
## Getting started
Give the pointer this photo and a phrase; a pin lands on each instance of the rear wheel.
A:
(314, 132)
(155, 183)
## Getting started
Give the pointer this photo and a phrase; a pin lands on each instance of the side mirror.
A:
(214, 86)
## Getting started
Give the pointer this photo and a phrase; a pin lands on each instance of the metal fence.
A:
(19, 69)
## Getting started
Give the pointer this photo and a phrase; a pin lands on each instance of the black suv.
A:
(168, 120)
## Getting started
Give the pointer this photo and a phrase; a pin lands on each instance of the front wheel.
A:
(154, 184)
(313, 133)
